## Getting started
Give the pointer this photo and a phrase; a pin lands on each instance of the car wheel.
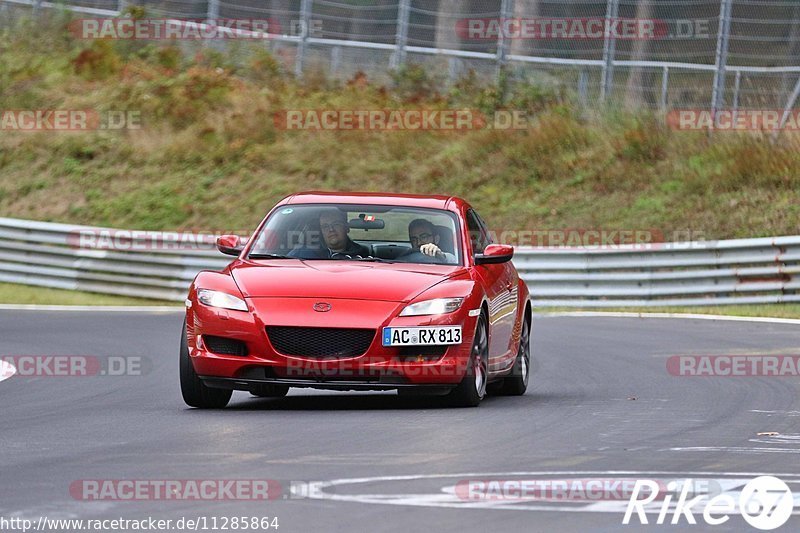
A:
(270, 391)
(472, 389)
(194, 392)
(517, 382)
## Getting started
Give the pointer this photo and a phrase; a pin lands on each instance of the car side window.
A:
(484, 228)
(477, 232)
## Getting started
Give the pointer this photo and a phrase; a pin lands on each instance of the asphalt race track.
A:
(601, 405)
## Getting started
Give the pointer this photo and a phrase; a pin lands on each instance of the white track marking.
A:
(6, 370)
(689, 316)
(735, 449)
(447, 499)
(780, 438)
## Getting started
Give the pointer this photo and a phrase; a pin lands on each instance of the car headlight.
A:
(220, 299)
(438, 306)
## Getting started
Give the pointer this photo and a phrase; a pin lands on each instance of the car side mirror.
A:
(495, 253)
(230, 245)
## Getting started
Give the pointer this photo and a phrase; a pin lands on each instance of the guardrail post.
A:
(664, 88)
(583, 87)
(506, 7)
(453, 68)
(305, 16)
(737, 83)
(213, 10)
(788, 109)
(336, 59)
(721, 61)
(401, 37)
(609, 47)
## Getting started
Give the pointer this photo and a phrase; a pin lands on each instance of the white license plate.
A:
(422, 336)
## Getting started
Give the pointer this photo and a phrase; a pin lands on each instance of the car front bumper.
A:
(378, 368)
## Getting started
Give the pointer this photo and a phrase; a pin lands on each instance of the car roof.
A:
(373, 198)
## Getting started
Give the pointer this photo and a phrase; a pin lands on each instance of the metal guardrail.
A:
(743, 271)
(51, 255)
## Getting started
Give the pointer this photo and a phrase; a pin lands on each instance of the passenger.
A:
(334, 229)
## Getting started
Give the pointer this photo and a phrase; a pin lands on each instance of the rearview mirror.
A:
(366, 222)
(230, 245)
(495, 253)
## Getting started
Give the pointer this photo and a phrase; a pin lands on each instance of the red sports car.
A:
(359, 291)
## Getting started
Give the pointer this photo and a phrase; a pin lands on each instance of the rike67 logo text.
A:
(764, 502)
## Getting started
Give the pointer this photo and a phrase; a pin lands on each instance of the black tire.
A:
(270, 391)
(472, 389)
(194, 392)
(516, 383)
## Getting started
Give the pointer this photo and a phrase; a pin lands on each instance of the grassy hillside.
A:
(209, 155)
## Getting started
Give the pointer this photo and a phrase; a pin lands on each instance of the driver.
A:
(425, 239)
(334, 229)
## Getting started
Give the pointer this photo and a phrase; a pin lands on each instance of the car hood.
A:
(288, 278)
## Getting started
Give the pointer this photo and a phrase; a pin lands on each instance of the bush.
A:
(97, 62)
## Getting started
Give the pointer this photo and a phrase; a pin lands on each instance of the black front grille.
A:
(224, 345)
(320, 342)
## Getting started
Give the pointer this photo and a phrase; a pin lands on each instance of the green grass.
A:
(765, 310)
(210, 157)
(11, 293)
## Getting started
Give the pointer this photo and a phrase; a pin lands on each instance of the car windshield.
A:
(359, 233)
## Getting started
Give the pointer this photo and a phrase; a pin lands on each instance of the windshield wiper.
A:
(367, 259)
(269, 256)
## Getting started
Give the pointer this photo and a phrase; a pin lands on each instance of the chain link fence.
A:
(678, 53)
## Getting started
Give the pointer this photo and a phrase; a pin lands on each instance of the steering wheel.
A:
(416, 256)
